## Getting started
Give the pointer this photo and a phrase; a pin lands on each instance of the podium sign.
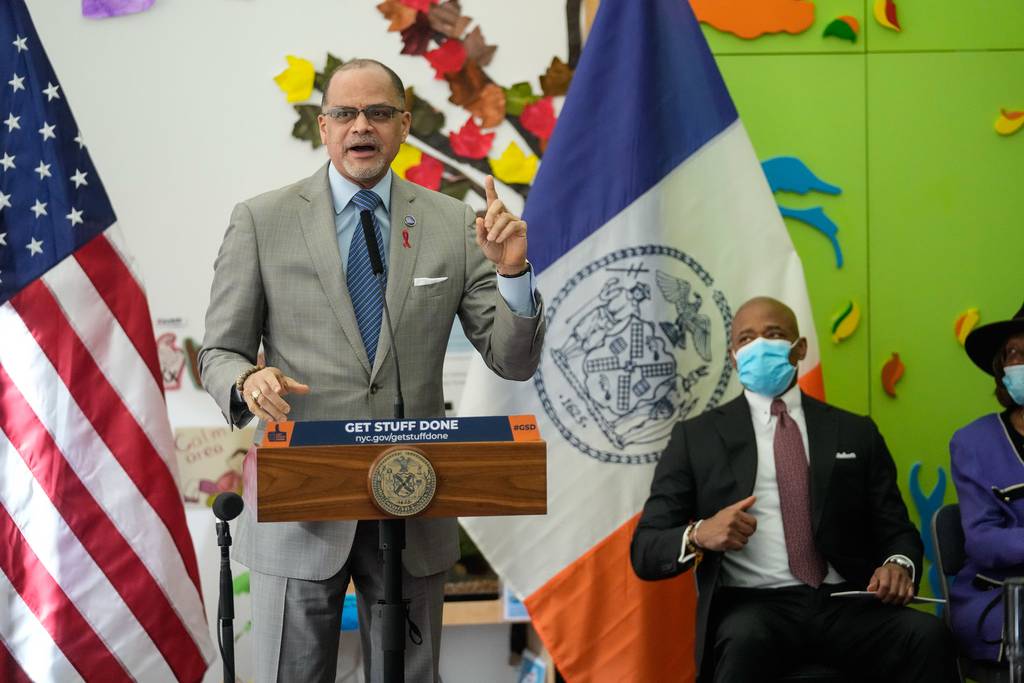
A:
(386, 469)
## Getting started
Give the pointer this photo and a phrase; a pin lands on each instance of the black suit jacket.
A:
(859, 518)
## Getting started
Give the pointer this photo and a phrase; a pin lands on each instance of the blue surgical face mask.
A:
(764, 366)
(1013, 380)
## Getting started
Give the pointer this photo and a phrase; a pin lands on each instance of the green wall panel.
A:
(944, 25)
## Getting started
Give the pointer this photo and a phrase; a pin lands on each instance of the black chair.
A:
(948, 535)
(816, 673)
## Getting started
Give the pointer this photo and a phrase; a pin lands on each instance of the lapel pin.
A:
(405, 238)
(410, 221)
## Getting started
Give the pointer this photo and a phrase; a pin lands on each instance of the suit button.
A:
(374, 388)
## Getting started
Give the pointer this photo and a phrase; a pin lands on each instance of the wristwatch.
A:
(902, 562)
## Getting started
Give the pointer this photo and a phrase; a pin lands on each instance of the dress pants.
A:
(297, 623)
(759, 634)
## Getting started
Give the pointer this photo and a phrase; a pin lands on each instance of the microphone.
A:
(227, 506)
(377, 265)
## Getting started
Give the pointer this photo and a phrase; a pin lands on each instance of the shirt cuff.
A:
(518, 293)
(913, 569)
(684, 556)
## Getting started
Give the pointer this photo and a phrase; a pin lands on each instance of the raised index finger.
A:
(492, 196)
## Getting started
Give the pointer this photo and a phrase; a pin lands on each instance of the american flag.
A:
(98, 576)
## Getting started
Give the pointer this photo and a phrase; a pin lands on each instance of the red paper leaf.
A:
(419, 5)
(469, 142)
(539, 118)
(448, 58)
(427, 173)
(417, 37)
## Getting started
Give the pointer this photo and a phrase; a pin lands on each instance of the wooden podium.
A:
(319, 471)
(391, 470)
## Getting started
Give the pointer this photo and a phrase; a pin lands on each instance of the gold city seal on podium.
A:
(402, 481)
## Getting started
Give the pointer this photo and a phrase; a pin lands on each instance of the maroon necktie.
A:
(793, 480)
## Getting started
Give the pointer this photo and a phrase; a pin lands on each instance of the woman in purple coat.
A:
(987, 459)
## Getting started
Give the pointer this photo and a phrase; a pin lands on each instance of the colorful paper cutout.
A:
(470, 142)
(753, 18)
(448, 58)
(416, 36)
(965, 322)
(297, 80)
(927, 506)
(172, 360)
(844, 28)
(330, 64)
(467, 84)
(819, 220)
(426, 121)
(1009, 122)
(307, 127)
(489, 107)
(892, 372)
(447, 19)
(539, 118)
(513, 166)
(556, 79)
(517, 97)
(427, 173)
(885, 15)
(477, 49)
(407, 157)
(790, 174)
(398, 13)
(845, 322)
(420, 5)
(103, 9)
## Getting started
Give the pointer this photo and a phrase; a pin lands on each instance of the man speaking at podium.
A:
(294, 274)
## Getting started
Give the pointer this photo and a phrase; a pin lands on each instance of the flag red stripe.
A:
(121, 292)
(55, 611)
(97, 534)
(103, 407)
(10, 670)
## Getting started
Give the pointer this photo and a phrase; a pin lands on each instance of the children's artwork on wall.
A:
(103, 9)
(172, 360)
(965, 322)
(892, 372)
(297, 80)
(845, 321)
(210, 461)
(754, 18)
(927, 505)
(885, 15)
(790, 174)
(1009, 122)
(844, 28)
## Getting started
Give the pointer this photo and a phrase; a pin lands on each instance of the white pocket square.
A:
(424, 281)
(846, 456)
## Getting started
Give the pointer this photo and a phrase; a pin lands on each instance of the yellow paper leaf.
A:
(408, 156)
(514, 167)
(297, 80)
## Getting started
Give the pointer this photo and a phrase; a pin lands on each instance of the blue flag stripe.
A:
(642, 129)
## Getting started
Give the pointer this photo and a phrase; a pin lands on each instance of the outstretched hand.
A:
(729, 528)
(501, 235)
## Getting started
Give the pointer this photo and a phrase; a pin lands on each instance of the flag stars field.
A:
(47, 131)
(17, 82)
(79, 178)
(34, 247)
(43, 170)
(12, 122)
(19, 43)
(51, 92)
(5, 203)
(7, 161)
(75, 216)
(39, 208)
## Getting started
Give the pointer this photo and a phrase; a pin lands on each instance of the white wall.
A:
(182, 118)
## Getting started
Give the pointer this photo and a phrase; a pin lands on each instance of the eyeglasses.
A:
(375, 113)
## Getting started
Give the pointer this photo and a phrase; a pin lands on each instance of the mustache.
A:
(363, 140)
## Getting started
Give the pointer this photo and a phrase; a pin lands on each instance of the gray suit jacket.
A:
(279, 279)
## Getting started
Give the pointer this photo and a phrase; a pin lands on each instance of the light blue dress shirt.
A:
(517, 291)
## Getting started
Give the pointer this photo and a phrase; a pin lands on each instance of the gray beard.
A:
(365, 172)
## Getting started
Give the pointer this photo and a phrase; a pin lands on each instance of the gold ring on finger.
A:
(256, 393)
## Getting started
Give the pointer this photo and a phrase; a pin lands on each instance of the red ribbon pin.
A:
(405, 238)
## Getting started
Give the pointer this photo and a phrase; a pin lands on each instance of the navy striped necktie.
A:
(366, 297)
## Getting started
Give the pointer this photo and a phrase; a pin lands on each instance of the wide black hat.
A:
(983, 343)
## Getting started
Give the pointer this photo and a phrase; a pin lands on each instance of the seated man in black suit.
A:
(783, 500)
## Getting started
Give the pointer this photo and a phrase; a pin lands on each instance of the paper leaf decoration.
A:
(816, 217)
(517, 97)
(556, 79)
(753, 18)
(539, 118)
(477, 49)
(514, 167)
(1009, 122)
(407, 157)
(447, 59)
(399, 14)
(332, 63)
(416, 37)
(490, 106)
(844, 28)
(790, 174)
(307, 127)
(419, 5)
(297, 80)
(447, 19)
(425, 119)
(103, 9)
(467, 84)
(845, 322)
(469, 142)
(885, 15)
(965, 322)
(892, 372)
(427, 173)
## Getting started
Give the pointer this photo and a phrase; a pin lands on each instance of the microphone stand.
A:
(392, 531)
(226, 506)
